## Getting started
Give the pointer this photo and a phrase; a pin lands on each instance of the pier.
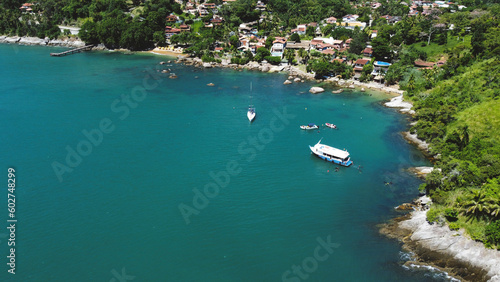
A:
(73, 51)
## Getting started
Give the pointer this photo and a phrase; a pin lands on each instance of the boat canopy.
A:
(312, 124)
(334, 151)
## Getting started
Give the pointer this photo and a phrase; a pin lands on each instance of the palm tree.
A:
(478, 206)
(494, 208)
(289, 55)
(302, 53)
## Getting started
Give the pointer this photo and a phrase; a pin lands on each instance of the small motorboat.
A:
(251, 113)
(331, 125)
(309, 126)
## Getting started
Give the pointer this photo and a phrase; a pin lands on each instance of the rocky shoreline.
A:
(406, 108)
(293, 72)
(182, 58)
(438, 246)
(25, 40)
(435, 245)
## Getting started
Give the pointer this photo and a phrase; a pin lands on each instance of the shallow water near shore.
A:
(116, 211)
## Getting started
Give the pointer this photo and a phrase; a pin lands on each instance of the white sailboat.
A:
(251, 110)
(251, 113)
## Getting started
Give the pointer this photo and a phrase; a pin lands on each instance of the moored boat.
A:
(331, 125)
(309, 126)
(331, 154)
(251, 113)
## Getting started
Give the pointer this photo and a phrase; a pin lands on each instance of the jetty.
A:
(72, 51)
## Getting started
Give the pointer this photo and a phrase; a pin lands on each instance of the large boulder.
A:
(315, 90)
(287, 82)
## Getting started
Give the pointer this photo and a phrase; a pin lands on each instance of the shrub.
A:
(273, 60)
(295, 37)
(454, 226)
(451, 214)
(492, 233)
(207, 58)
(433, 215)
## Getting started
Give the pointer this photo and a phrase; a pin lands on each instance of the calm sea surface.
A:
(109, 154)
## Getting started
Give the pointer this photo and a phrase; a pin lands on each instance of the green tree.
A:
(234, 41)
(159, 38)
(138, 36)
(289, 54)
(111, 28)
(492, 233)
(321, 68)
(88, 32)
(366, 72)
(295, 37)
(358, 43)
(269, 42)
(310, 31)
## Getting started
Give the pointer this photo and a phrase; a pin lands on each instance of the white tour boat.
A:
(331, 154)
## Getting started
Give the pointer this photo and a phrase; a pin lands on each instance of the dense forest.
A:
(458, 113)
(457, 103)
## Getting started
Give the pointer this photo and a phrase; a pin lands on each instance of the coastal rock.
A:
(276, 68)
(296, 79)
(13, 39)
(253, 65)
(362, 90)
(32, 41)
(406, 207)
(287, 82)
(447, 249)
(315, 90)
(351, 86)
(397, 102)
(207, 65)
(422, 171)
(338, 91)
(210, 84)
(264, 68)
(290, 77)
(422, 145)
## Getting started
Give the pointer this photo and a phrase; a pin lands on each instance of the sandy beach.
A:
(170, 53)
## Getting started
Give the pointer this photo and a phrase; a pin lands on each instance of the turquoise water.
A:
(111, 213)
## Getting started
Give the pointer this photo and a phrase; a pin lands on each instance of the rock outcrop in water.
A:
(315, 90)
